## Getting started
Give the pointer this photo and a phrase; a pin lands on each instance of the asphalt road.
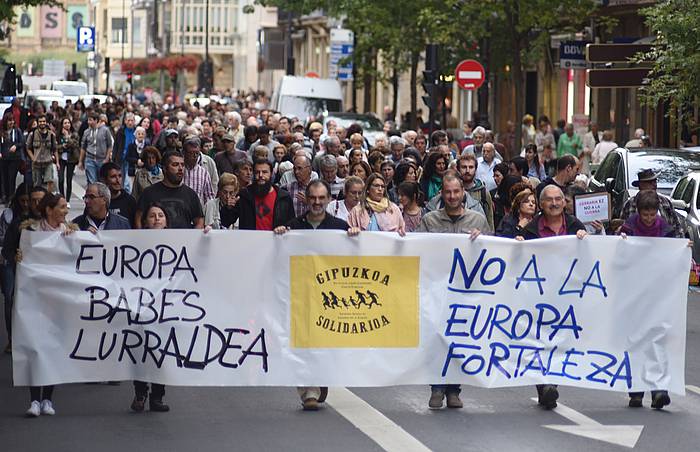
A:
(97, 417)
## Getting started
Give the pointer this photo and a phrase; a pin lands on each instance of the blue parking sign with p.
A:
(86, 39)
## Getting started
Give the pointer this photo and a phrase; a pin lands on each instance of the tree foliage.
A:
(675, 75)
(517, 31)
(7, 7)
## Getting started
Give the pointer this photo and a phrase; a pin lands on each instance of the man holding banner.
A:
(552, 222)
(317, 197)
(453, 218)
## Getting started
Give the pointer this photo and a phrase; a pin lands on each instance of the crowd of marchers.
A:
(242, 166)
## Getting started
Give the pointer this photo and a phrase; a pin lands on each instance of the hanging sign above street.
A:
(470, 74)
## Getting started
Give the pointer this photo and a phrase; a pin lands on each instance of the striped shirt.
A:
(198, 180)
(294, 187)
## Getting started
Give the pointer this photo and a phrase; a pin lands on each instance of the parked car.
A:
(101, 98)
(371, 126)
(687, 204)
(620, 167)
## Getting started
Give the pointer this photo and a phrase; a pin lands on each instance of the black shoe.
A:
(660, 399)
(8, 348)
(158, 406)
(139, 404)
(324, 394)
(636, 401)
(114, 383)
(548, 397)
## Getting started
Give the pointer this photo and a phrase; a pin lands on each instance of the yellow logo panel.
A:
(354, 301)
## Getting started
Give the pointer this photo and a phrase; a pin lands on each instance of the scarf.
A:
(434, 186)
(642, 230)
(155, 170)
(378, 206)
(45, 226)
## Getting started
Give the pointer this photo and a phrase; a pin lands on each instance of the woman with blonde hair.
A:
(375, 212)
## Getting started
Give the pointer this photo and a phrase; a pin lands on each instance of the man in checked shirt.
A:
(196, 176)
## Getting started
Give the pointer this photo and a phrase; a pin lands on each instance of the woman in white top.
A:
(353, 190)
(603, 148)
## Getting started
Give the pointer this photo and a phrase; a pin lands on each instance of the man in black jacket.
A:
(318, 196)
(264, 207)
(552, 221)
(97, 216)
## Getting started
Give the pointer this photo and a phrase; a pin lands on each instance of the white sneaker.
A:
(47, 408)
(34, 409)
(68, 205)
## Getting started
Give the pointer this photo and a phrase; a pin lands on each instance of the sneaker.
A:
(660, 399)
(435, 401)
(158, 406)
(311, 404)
(453, 400)
(47, 408)
(68, 205)
(139, 404)
(549, 396)
(34, 409)
(636, 401)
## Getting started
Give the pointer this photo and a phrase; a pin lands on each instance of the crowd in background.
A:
(240, 165)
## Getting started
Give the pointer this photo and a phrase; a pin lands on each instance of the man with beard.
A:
(121, 202)
(10, 247)
(451, 219)
(182, 203)
(263, 206)
(42, 148)
(317, 196)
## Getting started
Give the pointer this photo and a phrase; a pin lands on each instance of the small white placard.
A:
(592, 207)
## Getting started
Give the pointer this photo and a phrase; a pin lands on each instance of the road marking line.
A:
(372, 423)
(693, 388)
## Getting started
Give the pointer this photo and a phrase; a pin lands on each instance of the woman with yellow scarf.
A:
(375, 212)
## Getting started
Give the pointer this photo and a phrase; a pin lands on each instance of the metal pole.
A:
(123, 26)
(290, 49)
(131, 46)
(208, 67)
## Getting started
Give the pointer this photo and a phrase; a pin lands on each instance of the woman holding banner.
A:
(375, 212)
(154, 217)
(53, 209)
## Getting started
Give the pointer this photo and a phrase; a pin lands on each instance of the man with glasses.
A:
(296, 188)
(97, 216)
(552, 221)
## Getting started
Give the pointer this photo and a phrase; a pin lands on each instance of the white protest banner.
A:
(590, 207)
(226, 308)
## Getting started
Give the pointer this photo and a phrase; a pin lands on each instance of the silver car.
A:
(687, 204)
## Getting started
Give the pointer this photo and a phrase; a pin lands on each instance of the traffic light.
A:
(130, 77)
(431, 89)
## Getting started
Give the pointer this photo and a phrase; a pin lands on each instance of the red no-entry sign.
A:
(470, 74)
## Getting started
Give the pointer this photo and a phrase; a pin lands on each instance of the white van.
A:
(306, 97)
(71, 90)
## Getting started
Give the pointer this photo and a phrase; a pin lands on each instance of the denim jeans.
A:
(125, 177)
(92, 170)
(447, 389)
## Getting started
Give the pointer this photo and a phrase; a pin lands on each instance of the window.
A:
(689, 191)
(678, 192)
(137, 31)
(119, 35)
